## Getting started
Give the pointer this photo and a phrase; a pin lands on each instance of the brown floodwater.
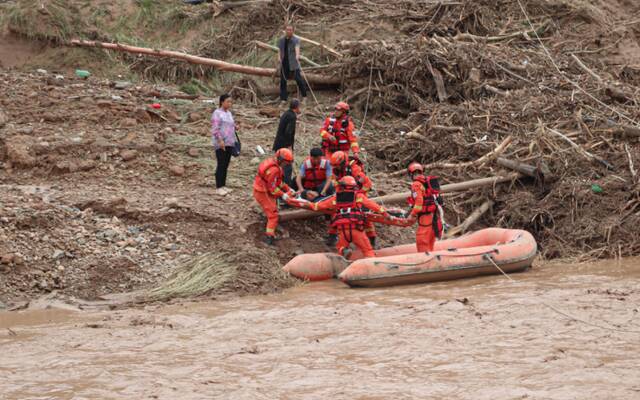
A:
(484, 338)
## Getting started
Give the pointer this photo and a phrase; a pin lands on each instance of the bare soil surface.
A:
(91, 202)
(16, 51)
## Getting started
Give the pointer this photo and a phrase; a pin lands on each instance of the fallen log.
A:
(617, 94)
(267, 46)
(402, 197)
(627, 131)
(490, 39)
(217, 64)
(495, 90)
(537, 172)
(471, 219)
(322, 46)
(487, 157)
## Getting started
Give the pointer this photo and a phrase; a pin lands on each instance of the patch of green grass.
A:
(54, 20)
(146, 10)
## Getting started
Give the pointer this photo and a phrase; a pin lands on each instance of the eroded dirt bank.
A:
(483, 338)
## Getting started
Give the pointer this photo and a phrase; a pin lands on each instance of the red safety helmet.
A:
(348, 182)
(415, 167)
(342, 106)
(338, 159)
(284, 155)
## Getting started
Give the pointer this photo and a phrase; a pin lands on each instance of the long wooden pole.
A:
(328, 49)
(473, 217)
(217, 64)
(401, 197)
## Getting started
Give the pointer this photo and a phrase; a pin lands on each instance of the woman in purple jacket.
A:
(223, 135)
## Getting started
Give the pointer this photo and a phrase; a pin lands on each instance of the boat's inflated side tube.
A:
(316, 266)
(472, 255)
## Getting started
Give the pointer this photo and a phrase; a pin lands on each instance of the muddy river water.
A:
(485, 338)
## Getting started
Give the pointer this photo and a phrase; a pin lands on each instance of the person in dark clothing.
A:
(286, 135)
(289, 51)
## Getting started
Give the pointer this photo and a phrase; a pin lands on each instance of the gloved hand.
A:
(356, 156)
(285, 197)
(332, 139)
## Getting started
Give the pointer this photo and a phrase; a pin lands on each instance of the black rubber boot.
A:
(268, 240)
(372, 240)
(331, 240)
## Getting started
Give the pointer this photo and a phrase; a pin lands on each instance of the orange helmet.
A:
(284, 155)
(415, 167)
(347, 182)
(342, 106)
(338, 159)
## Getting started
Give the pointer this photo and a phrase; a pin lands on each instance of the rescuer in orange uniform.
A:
(350, 205)
(269, 185)
(337, 132)
(343, 166)
(426, 206)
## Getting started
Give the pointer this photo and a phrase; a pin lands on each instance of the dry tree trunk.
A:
(217, 64)
(326, 48)
(471, 219)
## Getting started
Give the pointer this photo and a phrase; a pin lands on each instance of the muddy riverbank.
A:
(485, 338)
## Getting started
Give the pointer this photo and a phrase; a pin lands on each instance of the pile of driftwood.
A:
(476, 104)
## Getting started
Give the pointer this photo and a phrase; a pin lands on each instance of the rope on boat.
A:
(437, 256)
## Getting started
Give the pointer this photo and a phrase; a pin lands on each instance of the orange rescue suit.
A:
(424, 199)
(267, 186)
(349, 218)
(354, 169)
(337, 134)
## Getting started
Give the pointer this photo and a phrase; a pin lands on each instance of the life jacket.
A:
(342, 138)
(264, 167)
(348, 171)
(314, 175)
(348, 213)
(431, 194)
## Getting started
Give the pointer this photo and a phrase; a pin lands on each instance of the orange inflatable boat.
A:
(484, 252)
(323, 266)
